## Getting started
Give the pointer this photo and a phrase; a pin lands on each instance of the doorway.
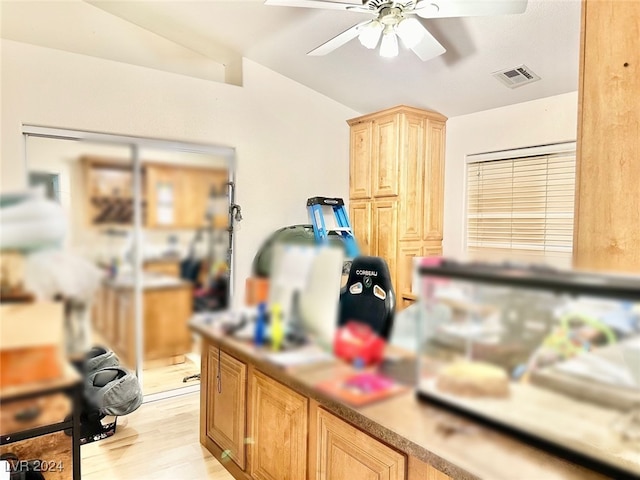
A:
(153, 217)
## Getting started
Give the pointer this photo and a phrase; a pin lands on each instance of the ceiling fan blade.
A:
(428, 47)
(468, 8)
(330, 5)
(337, 41)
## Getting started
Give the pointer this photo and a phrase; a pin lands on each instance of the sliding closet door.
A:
(91, 265)
(185, 268)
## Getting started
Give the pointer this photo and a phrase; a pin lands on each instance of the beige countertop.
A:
(150, 281)
(452, 443)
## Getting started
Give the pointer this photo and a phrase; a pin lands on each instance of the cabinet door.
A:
(406, 254)
(386, 152)
(278, 431)
(360, 162)
(345, 453)
(434, 181)
(384, 234)
(432, 249)
(196, 186)
(412, 178)
(360, 217)
(166, 314)
(226, 405)
(162, 195)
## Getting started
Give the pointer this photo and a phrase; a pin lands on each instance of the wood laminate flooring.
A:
(160, 441)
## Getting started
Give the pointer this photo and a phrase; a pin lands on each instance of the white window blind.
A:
(521, 204)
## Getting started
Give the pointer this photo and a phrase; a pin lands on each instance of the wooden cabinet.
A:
(108, 185)
(278, 429)
(607, 218)
(412, 179)
(386, 156)
(226, 405)
(406, 254)
(342, 452)
(384, 227)
(397, 186)
(433, 211)
(360, 166)
(178, 197)
(360, 217)
(173, 196)
(287, 435)
(166, 313)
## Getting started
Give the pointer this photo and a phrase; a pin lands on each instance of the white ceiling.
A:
(200, 38)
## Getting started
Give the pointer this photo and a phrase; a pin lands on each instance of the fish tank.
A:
(551, 356)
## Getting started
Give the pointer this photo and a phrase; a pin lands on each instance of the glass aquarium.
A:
(551, 355)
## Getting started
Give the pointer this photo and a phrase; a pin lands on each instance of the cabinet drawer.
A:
(53, 453)
(20, 415)
(345, 453)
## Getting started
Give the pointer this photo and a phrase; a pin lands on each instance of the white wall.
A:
(291, 142)
(539, 122)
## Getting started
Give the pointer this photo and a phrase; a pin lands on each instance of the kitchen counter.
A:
(451, 443)
(167, 307)
(150, 281)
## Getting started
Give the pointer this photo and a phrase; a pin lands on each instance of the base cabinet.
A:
(278, 431)
(271, 432)
(342, 452)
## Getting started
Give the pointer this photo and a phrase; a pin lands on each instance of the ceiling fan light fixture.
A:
(389, 45)
(370, 34)
(410, 31)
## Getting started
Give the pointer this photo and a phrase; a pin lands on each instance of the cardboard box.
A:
(256, 290)
(31, 342)
(12, 265)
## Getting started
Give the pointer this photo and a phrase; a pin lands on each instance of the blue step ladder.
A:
(316, 213)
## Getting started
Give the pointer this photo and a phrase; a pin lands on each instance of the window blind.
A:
(521, 208)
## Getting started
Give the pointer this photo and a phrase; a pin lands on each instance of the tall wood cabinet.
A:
(396, 187)
(607, 215)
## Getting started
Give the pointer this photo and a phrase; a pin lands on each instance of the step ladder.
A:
(316, 213)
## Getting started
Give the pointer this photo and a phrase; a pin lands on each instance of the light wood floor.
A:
(160, 441)
(162, 379)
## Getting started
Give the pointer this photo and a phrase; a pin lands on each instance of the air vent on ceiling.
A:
(516, 76)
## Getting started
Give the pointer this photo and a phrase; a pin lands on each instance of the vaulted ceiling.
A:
(207, 39)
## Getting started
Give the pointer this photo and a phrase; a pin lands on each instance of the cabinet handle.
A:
(218, 376)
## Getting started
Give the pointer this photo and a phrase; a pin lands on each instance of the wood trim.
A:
(576, 208)
(418, 470)
(204, 389)
(398, 109)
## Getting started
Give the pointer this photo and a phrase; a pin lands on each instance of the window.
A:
(520, 205)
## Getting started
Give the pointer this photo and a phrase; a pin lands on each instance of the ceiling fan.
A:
(396, 18)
